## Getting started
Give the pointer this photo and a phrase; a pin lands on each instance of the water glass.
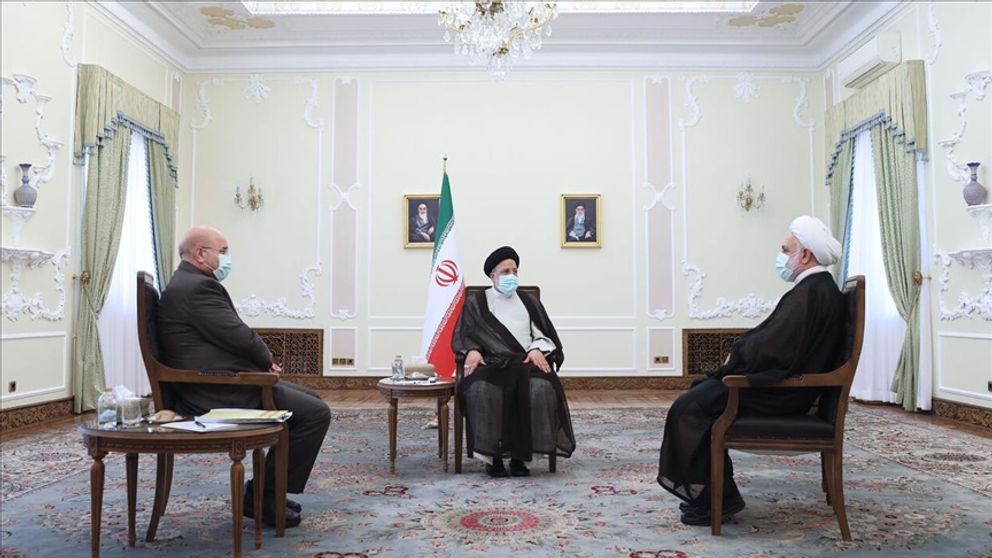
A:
(131, 411)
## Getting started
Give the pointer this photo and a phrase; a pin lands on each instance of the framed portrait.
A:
(580, 221)
(420, 220)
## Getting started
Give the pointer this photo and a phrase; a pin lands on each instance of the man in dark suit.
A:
(199, 329)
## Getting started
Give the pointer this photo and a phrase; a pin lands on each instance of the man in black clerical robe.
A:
(512, 400)
(802, 335)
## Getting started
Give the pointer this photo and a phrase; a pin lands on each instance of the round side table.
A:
(440, 390)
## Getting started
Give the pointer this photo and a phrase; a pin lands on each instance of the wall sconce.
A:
(253, 200)
(747, 199)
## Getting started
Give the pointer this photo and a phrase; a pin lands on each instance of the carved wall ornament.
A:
(746, 89)
(967, 306)
(258, 90)
(68, 32)
(934, 26)
(17, 303)
(41, 173)
(977, 83)
(982, 214)
(750, 305)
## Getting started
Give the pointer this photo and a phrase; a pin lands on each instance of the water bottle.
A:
(398, 373)
(106, 410)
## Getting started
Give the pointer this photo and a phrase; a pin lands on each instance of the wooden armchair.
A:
(822, 430)
(163, 380)
(554, 360)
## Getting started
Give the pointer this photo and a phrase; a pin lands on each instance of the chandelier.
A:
(497, 32)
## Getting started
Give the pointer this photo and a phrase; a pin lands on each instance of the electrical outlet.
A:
(990, 385)
(349, 361)
(664, 359)
(661, 359)
(12, 386)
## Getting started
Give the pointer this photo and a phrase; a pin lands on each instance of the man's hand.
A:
(275, 369)
(424, 235)
(472, 361)
(536, 357)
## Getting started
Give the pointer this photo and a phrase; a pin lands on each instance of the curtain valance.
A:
(897, 99)
(104, 102)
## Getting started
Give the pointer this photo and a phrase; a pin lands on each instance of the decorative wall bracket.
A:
(24, 86)
(977, 83)
(981, 305)
(15, 302)
(982, 214)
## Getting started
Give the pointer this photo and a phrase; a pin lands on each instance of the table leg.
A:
(392, 434)
(237, 483)
(439, 448)
(158, 508)
(132, 494)
(443, 431)
(258, 482)
(282, 466)
(96, 500)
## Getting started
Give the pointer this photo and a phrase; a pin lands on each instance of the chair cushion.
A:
(786, 427)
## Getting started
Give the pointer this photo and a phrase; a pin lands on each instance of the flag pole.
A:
(444, 165)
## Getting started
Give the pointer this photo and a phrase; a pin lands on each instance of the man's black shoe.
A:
(693, 515)
(250, 500)
(497, 469)
(518, 469)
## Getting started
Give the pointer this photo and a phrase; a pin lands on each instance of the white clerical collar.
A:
(810, 271)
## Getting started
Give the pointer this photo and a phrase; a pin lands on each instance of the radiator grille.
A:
(704, 350)
(299, 351)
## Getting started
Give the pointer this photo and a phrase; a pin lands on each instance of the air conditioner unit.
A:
(871, 60)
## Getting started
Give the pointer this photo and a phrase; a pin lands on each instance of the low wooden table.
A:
(163, 441)
(441, 390)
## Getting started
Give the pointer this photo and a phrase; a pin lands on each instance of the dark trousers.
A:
(307, 427)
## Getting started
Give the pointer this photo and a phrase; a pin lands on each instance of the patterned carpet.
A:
(912, 490)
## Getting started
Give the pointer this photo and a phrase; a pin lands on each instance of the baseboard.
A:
(30, 415)
(574, 383)
(963, 412)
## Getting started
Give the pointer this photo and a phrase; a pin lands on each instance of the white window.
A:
(117, 323)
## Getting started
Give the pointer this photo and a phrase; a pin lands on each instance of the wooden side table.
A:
(163, 441)
(441, 390)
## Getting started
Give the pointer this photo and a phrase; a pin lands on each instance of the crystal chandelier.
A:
(497, 32)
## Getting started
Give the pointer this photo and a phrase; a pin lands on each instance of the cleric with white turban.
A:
(801, 336)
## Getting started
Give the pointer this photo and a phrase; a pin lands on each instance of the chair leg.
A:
(161, 494)
(837, 478)
(716, 488)
(553, 461)
(823, 475)
(458, 436)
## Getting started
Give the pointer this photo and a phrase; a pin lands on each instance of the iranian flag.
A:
(445, 290)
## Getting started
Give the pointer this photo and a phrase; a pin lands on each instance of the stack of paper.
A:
(196, 426)
(243, 416)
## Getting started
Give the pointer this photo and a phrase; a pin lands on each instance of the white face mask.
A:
(782, 266)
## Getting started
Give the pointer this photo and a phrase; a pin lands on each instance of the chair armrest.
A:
(260, 379)
(826, 379)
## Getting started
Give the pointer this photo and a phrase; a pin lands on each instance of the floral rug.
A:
(912, 490)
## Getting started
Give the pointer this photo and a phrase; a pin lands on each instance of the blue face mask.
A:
(223, 267)
(782, 267)
(507, 284)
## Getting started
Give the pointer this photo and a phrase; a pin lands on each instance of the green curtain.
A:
(106, 188)
(898, 214)
(107, 110)
(840, 202)
(163, 196)
(894, 108)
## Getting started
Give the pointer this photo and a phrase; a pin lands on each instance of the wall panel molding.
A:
(940, 387)
(746, 89)
(256, 90)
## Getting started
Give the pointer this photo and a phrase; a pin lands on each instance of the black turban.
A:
(498, 255)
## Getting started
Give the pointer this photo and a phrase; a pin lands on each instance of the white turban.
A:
(817, 238)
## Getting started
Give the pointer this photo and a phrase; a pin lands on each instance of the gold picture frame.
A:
(414, 232)
(589, 233)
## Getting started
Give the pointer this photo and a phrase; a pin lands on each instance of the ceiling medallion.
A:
(497, 32)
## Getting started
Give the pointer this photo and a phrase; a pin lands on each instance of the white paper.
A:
(191, 426)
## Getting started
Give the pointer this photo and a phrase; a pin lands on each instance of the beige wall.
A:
(514, 148)
(45, 40)
(334, 154)
(950, 37)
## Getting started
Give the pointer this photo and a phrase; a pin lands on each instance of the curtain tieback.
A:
(84, 277)
(919, 277)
